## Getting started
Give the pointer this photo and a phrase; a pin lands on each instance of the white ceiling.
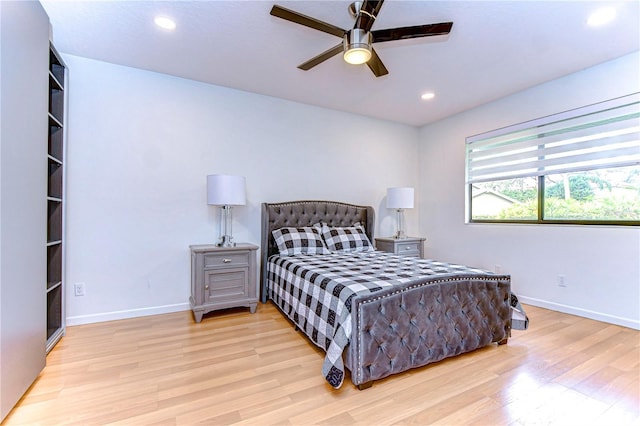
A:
(495, 48)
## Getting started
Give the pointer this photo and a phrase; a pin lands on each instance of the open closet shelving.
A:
(55, 200)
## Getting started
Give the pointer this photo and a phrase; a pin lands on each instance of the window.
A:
(579, 166)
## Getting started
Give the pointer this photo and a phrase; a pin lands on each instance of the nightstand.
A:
(222, 277)
(410, 246)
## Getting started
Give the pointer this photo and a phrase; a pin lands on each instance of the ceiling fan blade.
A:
(380, 36)
(321, 57)
(376, 65)
(307, 21)
(367, 14)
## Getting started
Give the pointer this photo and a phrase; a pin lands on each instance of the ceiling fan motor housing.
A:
(357, 43)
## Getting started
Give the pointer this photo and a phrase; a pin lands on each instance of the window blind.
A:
(602, 135)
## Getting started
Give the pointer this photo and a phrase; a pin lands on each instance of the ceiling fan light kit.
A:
(356, 45)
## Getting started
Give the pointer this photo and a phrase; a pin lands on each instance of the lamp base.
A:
(400, 235)
(226, 241)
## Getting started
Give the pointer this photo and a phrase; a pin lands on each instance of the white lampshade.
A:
(400, 198)
(226, 190)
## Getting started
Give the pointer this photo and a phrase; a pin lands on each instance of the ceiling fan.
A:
(357, 42)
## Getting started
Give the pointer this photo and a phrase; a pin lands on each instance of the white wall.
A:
(140, 145)
(601, 263)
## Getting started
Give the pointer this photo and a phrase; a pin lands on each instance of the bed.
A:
(375, 314)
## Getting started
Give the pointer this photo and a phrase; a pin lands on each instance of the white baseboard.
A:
(129, 313)
(611, 319)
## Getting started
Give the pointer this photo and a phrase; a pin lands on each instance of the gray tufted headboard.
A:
(306, 213)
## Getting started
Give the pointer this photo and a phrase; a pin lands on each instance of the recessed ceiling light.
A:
(601, 16)
(428, 95)
(165, 22)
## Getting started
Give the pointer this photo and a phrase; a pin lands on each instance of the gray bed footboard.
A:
(424, 323)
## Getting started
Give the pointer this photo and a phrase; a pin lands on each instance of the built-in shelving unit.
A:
(55, 200)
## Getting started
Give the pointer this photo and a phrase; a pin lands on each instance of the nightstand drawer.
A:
(408, 249)
(218, 260)
(227, 285)
(410, 246)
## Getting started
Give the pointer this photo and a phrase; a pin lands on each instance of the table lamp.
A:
(226, 191)
(400, 199)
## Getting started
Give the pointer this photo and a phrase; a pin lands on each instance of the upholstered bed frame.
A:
(442, 317)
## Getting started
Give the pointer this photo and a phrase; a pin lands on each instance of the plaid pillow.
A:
(348, 239)
(305, 240)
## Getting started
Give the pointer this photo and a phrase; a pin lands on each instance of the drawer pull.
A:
(407, 248)
(226, 260)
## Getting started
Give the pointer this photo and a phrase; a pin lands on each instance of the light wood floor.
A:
(238, 368)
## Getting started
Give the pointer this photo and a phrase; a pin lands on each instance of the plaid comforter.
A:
(316, 292)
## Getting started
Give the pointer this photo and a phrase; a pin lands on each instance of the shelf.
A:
(54, 310)
(54, 224)
(54, 160)
(56, 69)
(53, 286)
(54, 83)
(54, 188)
(53, 122)
(55, 148)
(56, 104)
(54, 265)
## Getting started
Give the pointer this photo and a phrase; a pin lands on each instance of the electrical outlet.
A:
(78, 288)
(562, 281)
